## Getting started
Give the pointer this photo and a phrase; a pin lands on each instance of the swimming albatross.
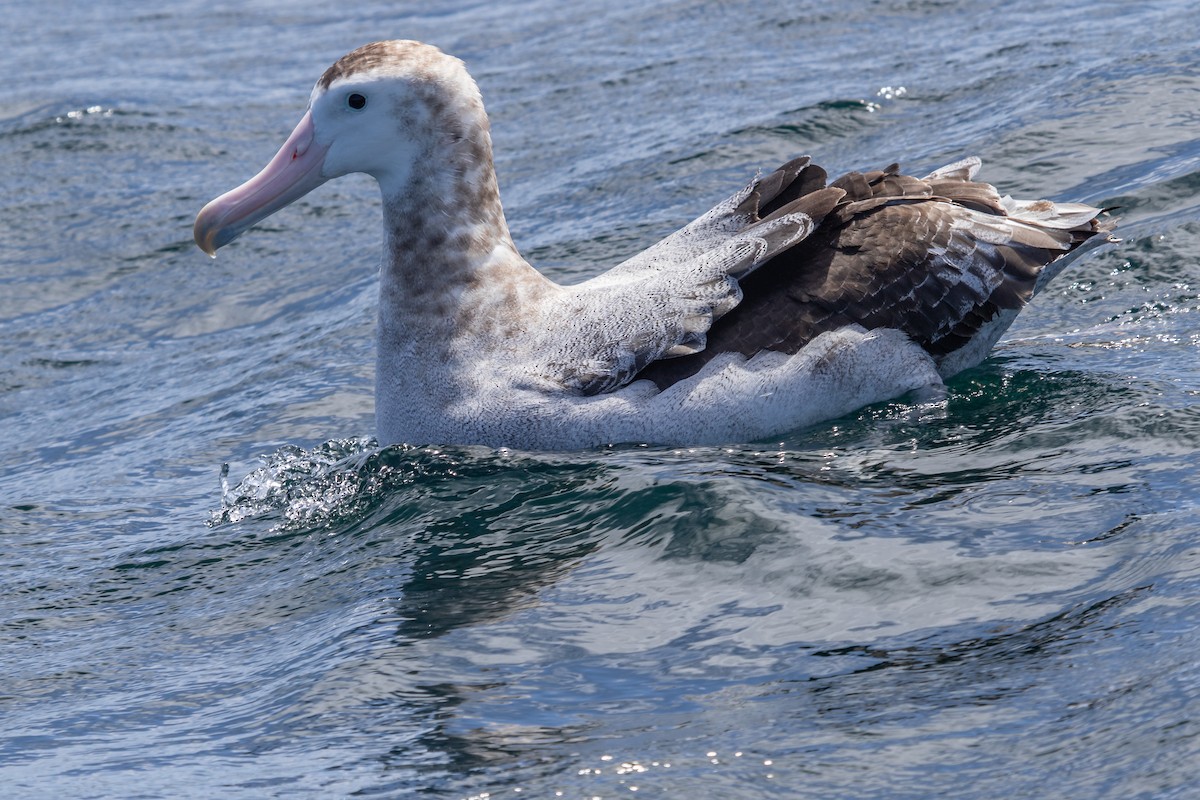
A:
(792, 302)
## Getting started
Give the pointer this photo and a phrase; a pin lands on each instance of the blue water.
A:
(992, 596)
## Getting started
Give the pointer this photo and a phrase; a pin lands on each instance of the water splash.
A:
(342, 479)
(80, 113)
(308, 487)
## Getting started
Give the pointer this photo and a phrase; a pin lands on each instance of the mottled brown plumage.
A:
(937, 258)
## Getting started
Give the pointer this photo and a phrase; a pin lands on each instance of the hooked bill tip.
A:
(207, 231)
(204, 239)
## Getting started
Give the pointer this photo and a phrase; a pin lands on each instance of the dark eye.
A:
(356, 101)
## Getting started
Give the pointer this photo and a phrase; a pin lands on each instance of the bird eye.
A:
(356, 101)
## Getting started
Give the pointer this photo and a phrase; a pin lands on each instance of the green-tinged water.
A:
(990, 595)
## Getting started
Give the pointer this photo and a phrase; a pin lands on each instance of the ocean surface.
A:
(214, 583)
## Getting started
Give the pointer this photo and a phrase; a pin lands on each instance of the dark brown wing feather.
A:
(937, 258)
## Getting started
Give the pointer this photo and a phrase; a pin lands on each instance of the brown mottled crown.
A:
(370, 56)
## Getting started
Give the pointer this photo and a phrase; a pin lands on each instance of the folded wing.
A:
(939, 258)
(662, 302)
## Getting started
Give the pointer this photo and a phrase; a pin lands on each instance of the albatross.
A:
(795, 301)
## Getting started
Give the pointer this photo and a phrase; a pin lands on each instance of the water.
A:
(994, 596)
